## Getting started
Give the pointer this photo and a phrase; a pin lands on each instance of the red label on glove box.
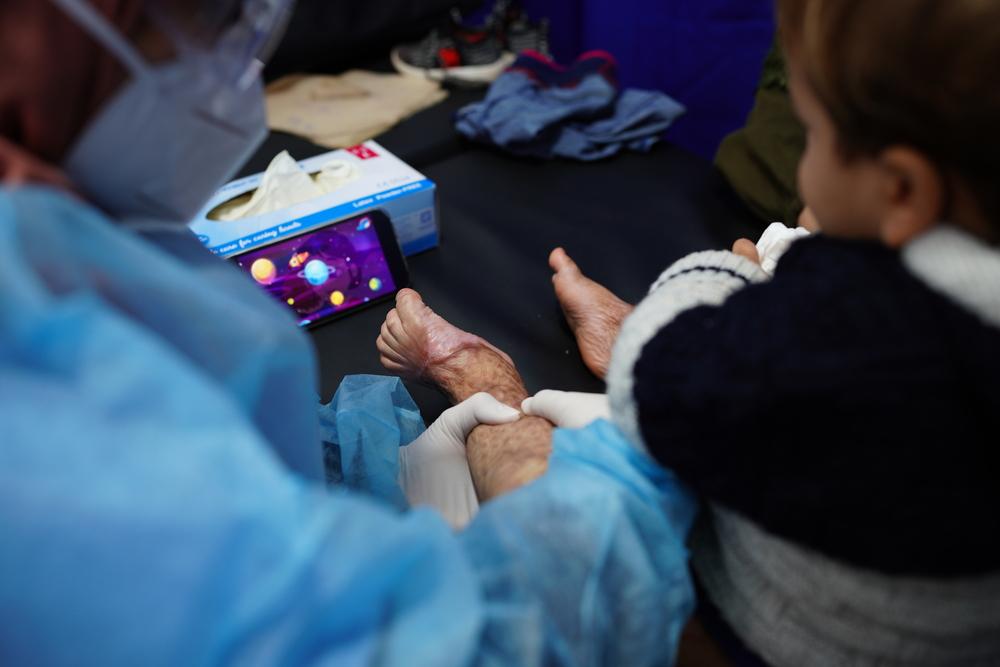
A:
(362, 152)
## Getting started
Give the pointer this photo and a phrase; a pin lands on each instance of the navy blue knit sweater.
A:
(844, 405)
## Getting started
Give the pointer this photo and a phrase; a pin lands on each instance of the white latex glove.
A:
(434, 468)
(775, 242)
(283, 185)
(567, 409)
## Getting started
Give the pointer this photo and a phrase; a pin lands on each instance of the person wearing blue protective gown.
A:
(162, 491)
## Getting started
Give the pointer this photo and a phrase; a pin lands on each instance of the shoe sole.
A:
(468, 73)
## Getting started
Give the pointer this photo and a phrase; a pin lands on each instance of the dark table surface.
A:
(623, 220)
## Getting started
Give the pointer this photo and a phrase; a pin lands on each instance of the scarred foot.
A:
(417, 343)
(593, 312)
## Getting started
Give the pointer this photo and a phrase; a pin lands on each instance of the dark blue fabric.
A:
(844, 405)
(540, 109)
(707, 54)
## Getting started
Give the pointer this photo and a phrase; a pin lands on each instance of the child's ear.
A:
(914, 195)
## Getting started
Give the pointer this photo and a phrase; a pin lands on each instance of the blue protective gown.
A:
(162, 497)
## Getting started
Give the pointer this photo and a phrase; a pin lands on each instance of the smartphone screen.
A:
(333, 270)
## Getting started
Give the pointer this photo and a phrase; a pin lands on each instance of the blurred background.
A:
(707, 54)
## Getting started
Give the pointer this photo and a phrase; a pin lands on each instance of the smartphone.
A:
(326, 273)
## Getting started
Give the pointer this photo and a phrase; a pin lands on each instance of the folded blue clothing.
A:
(540, 109)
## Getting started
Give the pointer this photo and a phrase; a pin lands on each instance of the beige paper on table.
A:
(345, 110)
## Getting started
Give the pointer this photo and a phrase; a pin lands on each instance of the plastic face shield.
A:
(181, 126)
(239, 36)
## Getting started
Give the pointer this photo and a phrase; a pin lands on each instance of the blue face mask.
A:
(171, 136)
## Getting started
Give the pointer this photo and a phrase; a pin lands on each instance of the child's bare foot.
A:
(417, 343)
(593, 312)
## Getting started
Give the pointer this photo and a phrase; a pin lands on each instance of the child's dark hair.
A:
(921, 73)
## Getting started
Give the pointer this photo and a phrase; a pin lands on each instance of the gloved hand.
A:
(775, 242)
(434, 469)
(567, 409)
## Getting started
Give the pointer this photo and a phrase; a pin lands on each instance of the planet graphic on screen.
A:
(316, 272)
(337, 298)
(264, 271)
(375, 284)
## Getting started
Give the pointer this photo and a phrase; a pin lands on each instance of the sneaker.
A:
(523, 35)
(455, 53)
(517, 31)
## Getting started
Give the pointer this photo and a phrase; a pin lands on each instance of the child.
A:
(842, 418)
